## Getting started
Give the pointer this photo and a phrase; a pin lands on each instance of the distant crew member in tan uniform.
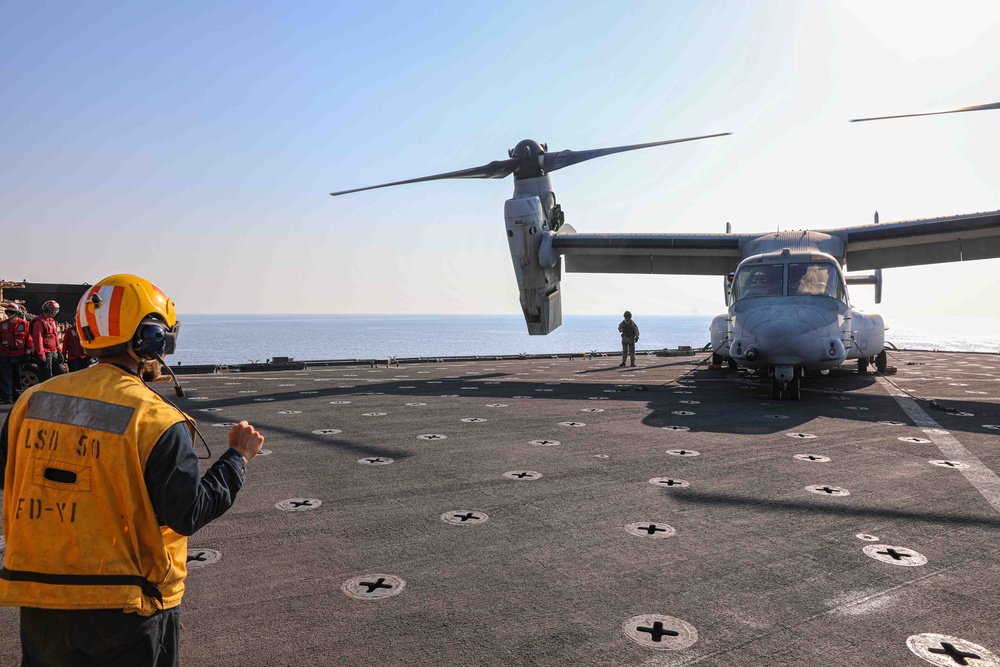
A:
(630, 336)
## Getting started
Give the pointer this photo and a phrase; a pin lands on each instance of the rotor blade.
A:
(495, 169)
(978, 107)
(553, 161)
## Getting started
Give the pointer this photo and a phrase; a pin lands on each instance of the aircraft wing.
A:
(690, 254)
(914, 242)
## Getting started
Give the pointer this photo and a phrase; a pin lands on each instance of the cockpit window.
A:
(759, 280)
(817, 278)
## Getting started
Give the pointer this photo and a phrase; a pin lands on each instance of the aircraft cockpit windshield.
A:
(815, 278)
(759, 280)
(804, 279)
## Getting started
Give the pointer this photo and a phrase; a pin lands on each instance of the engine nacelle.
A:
(539, 285)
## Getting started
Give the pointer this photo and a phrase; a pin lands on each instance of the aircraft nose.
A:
(795, 339)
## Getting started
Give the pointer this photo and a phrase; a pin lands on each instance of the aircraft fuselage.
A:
(789, 313)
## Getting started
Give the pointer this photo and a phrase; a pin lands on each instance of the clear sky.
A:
(194, 143)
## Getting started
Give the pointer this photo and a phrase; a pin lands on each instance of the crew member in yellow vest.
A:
(630, 335)
(101, 489)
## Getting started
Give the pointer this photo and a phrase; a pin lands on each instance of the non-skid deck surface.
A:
(571, 512)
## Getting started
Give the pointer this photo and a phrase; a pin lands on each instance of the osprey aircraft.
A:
(789, 312)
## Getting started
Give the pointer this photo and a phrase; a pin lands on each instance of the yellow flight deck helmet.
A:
(126, 313)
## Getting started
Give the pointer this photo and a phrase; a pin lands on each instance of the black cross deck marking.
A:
(200, 557)
(954, 653)
(372, 586)
(301, 503)
(651, 529)
(896, 555)
(657, 632)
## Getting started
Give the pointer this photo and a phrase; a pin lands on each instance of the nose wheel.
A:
(793, 390)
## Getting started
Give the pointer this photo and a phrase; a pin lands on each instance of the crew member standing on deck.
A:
(45, 346)
(630, 335)
(102, 487)
(14, 345)
(76, 357)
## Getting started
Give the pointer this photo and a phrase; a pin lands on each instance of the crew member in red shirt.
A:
(45, 347)
(76, 357)
(14, 344)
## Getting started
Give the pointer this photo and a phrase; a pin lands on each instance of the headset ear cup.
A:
(149, 341)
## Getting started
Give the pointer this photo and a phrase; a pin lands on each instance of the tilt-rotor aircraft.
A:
(786, 292)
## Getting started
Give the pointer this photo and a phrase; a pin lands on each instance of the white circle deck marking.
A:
(197, 558)
(308, 392)
(264, 452)
(690, 402)
(827, 490)
(298, 504)
(374, 414)
(375, 461)
(677, 428)
(198, 398)
(224, 424)
(373, 586)
(523, 475)
(651, 529)
(815, 458)
(576, 424)
(670, 482)
(544, 443)
(592, 410)
(327, 431)
(947, 651)
(892, 423)
(683, 452)
(866, 537)
(432, 436)
(802, 436)
(895, 555)
(289, 412)
(855, 407)
(775, 416)
(664, 633)
(496, 405)
(414, 405)
(209, 409)
(473, 420)
(465, 517)
(682, 413)
(913, 440)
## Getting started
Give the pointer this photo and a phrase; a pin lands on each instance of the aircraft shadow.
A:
(730, 403)
(764, 504)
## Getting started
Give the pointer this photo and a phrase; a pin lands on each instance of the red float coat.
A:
(71, 345)
(15, 341)
(44, 335)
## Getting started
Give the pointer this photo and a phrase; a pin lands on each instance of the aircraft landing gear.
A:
(733, 365)
(792, 384)
(716, 359)
(881, 362)
(863, 366)
(795, 388)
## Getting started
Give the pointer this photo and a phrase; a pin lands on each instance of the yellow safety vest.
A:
(80, 528)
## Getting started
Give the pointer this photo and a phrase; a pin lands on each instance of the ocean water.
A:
(236, 339)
